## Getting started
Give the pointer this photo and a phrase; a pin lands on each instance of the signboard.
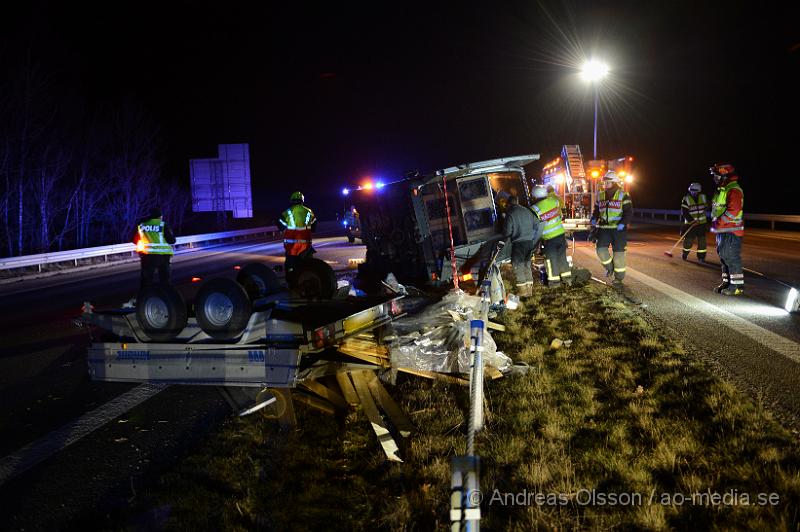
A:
(223, 184)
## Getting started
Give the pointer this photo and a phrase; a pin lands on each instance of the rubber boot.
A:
(685, 255)
(723, 286)
(732, 290)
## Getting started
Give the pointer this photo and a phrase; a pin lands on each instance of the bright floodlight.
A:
(345, 191)
(792, 301)
(594, 70)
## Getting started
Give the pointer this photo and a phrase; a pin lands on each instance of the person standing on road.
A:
(695, 222)
(153, 239)
(612, 214)
(548, 210)
(521, 231)
(297, 222)
(727, 222)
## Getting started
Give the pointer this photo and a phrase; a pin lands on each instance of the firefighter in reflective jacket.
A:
(297, 222)
(695, 223)
(554, 243)
(611, 215)
(727, 222)
(153, 239)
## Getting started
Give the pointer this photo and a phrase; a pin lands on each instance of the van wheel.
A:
(258, 280)
(314, 278)
(161, 312)
(223, 308)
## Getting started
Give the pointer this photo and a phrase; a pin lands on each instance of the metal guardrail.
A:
(74, 255)
(670, 215)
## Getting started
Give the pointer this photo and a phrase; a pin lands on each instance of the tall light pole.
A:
(594, 71)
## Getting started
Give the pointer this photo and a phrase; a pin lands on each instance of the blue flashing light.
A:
(344, 223)
(379, 184)
(345, 191)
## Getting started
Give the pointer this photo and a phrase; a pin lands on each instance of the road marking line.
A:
(46, 446)
(780, 344)
(786, 347)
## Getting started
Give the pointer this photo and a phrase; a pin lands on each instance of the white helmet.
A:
(611, 177)
(695, 187)
(539, 192)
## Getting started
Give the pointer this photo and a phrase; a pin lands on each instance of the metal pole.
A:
(596, 100)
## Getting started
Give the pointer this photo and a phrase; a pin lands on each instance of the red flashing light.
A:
(196, 279)
(237, 267)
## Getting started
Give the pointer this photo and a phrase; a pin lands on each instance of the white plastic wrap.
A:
(437, 339)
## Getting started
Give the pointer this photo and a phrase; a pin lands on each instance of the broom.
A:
(669, 253)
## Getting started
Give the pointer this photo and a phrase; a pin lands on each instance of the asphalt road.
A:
(44, 385)
(750, 339)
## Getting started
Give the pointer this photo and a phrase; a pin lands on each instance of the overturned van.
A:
(406, 225)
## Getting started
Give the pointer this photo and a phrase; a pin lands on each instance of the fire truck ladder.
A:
(571, 154)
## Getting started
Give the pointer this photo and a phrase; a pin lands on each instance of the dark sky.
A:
(326, 94)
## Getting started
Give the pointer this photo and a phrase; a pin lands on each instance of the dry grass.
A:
(623, 410)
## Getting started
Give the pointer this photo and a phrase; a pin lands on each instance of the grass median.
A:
(620, 429)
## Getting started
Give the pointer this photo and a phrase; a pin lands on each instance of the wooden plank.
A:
(450, 379)
(325, 392)
(314, 402)
(371, 410)
(399, 418)
(493, 373)
(377, 355)
(495, 326)
(346, 385)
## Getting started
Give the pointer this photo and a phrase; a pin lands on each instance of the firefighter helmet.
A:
(539, 192)
(720, 172)
(297, 196)
(695, 188)
(611, 177)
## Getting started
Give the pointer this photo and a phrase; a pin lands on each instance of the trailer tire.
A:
(223, 308)
(314, 278)
(161, 312)
(258, 280)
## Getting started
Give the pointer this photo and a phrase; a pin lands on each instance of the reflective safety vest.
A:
(696, 208)
(549, 212)
(296, 222)
(722, 221)
(611, 209)
(151, 238)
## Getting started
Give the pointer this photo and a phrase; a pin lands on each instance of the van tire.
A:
(161, 312)
(223, 308)
(314, 279)
(258, 280)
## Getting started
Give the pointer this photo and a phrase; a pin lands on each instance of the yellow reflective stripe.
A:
(607, 261)
(619, 270)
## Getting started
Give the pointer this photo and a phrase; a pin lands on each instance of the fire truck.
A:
(578, 183)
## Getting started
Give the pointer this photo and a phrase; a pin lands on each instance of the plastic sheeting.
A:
(438, 338)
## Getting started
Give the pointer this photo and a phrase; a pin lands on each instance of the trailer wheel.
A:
(258, 280)
(161, 312)
(222, 308)
(314, 278)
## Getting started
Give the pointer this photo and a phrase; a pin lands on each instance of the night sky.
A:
(326, 95)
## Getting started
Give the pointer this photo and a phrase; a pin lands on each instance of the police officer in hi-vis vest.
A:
(153, 239)
(611, 215)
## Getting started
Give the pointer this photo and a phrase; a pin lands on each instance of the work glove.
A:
(621, 227)
(593, 222)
